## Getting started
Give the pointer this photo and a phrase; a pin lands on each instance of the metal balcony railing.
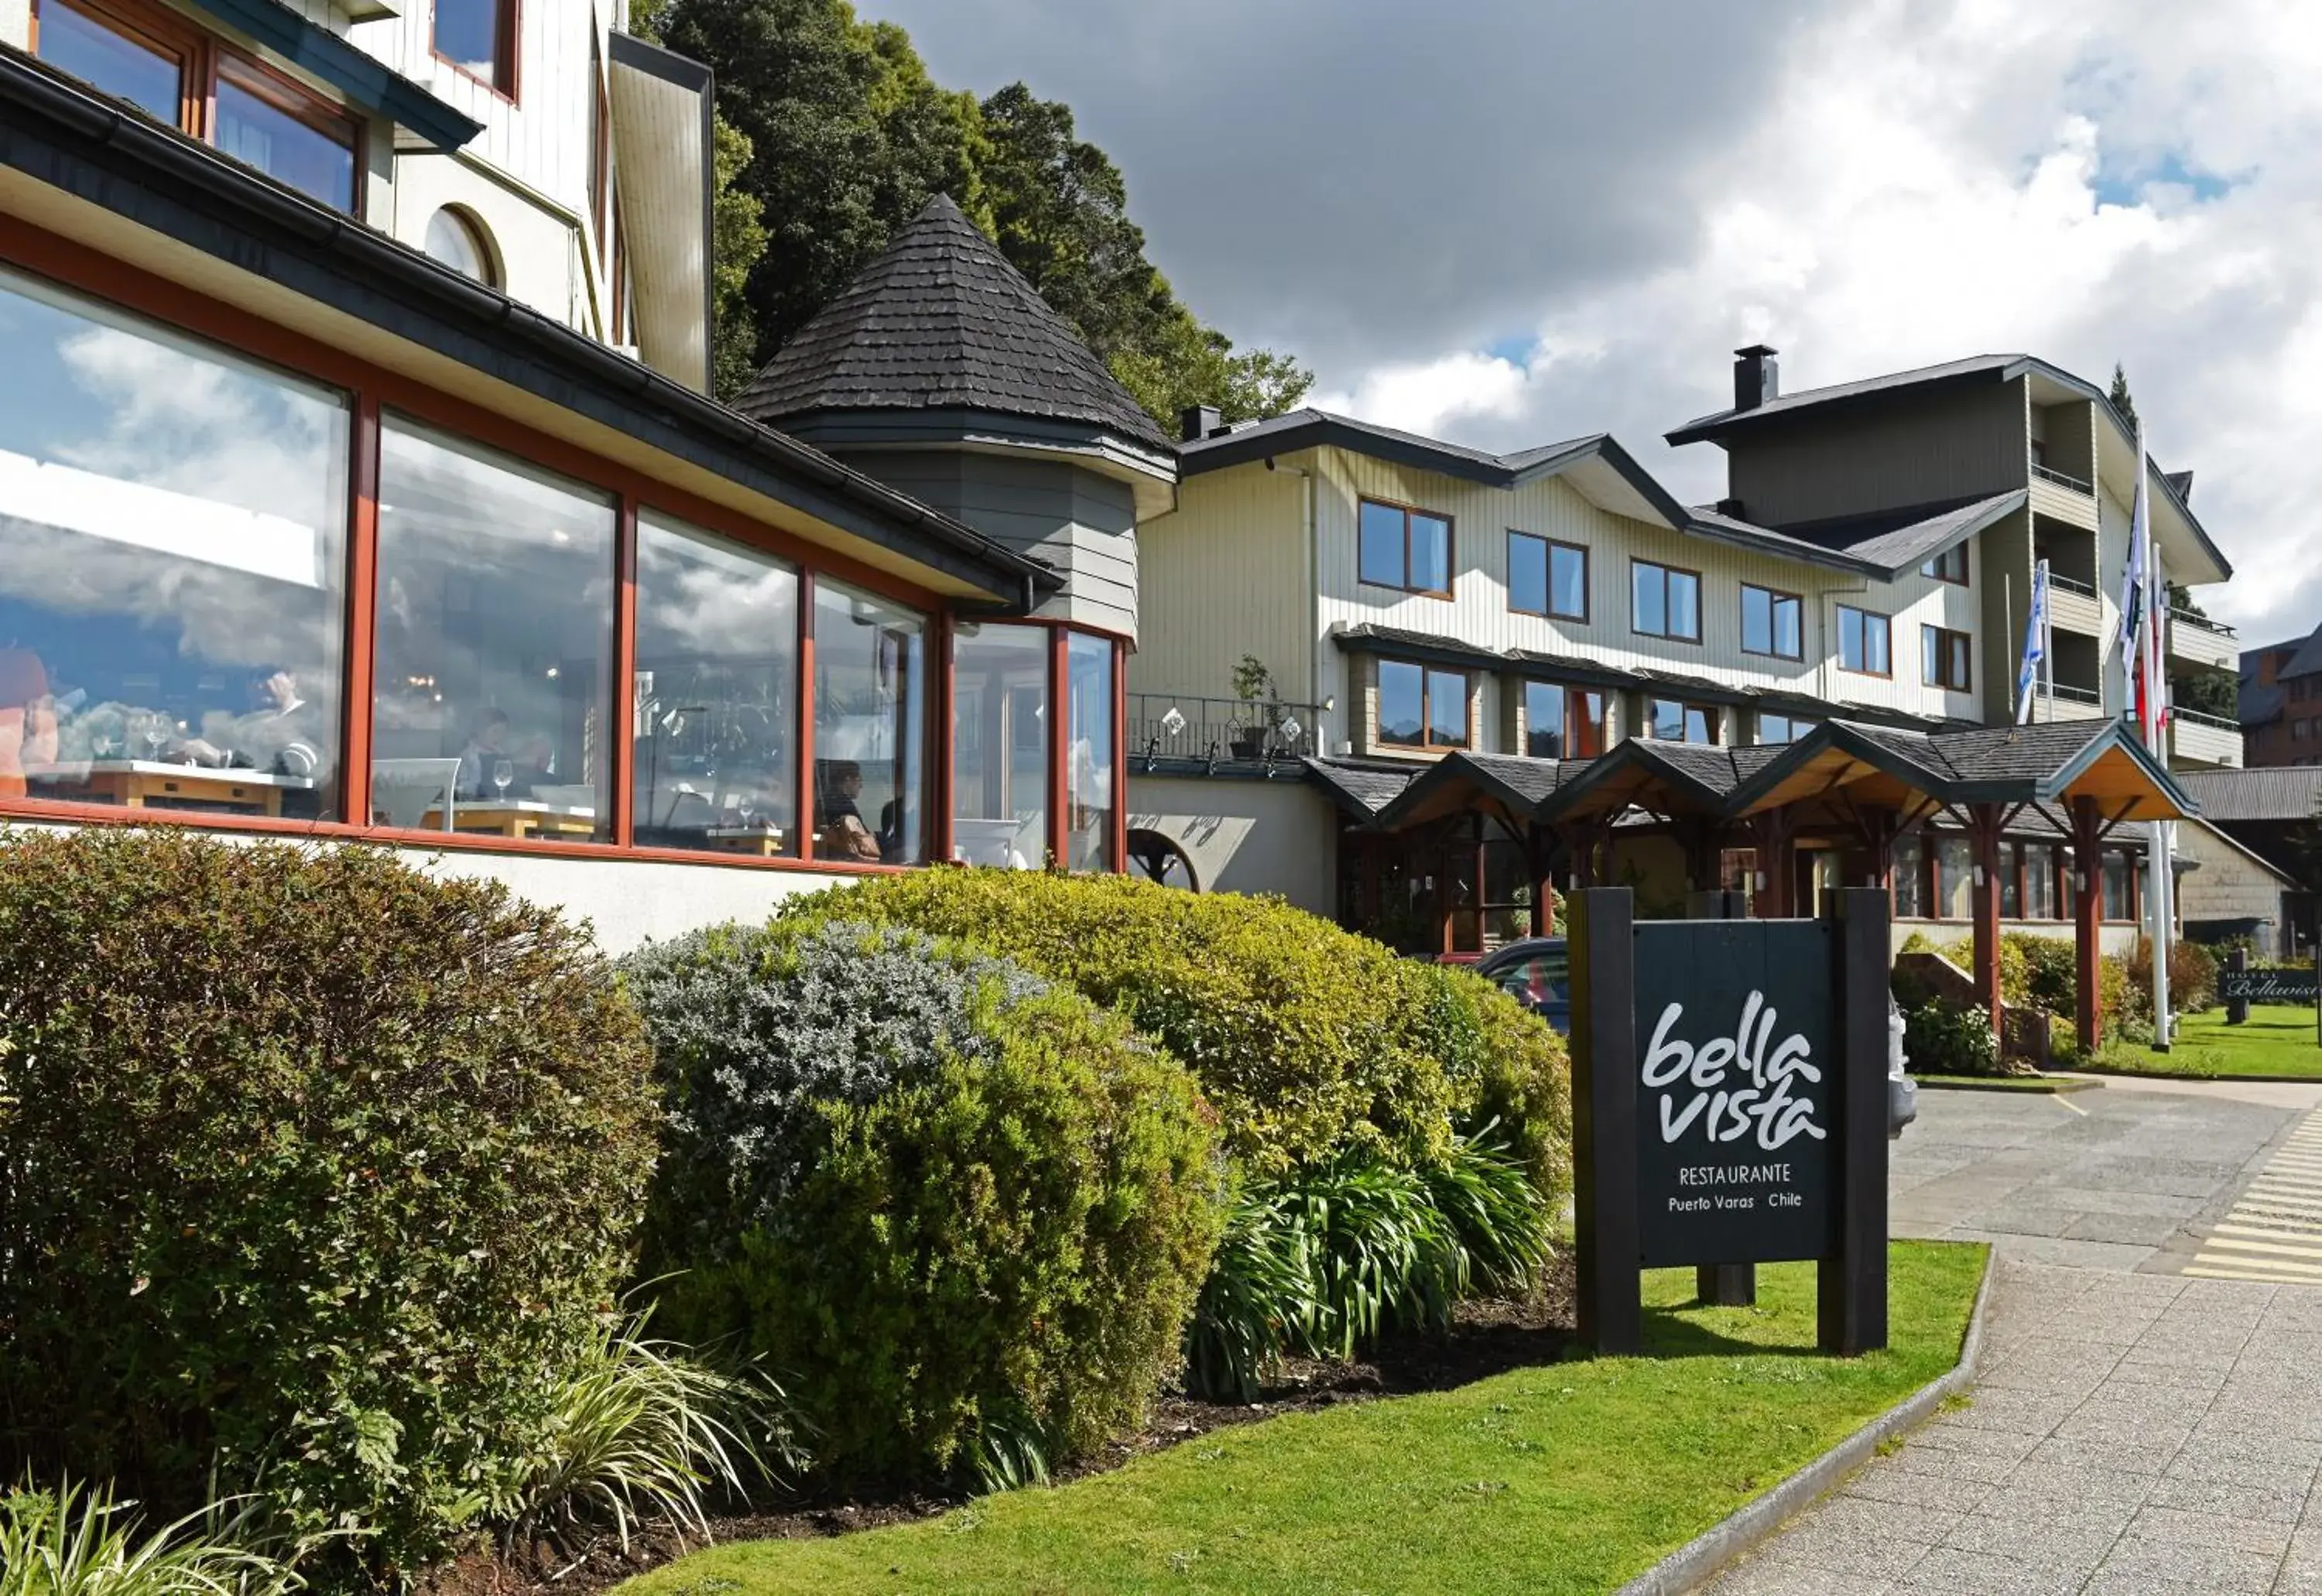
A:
(2066, 690)
(2203, 623)
(2195, 717)
(2063, 584)
(2061, 480)
(1174, 726)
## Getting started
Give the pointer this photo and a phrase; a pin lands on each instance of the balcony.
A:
(2068, 703)
(1216, 732)
(2203, 740)
(2198, 640)
(2073, 606)
(2065, 498)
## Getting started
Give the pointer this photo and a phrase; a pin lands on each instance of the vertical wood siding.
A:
(1965, 445)
(1224, 575)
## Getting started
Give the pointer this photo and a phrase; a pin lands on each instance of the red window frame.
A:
(371, 389)
(507, 56)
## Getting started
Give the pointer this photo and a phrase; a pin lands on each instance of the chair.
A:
(409, 789)
(988, 842)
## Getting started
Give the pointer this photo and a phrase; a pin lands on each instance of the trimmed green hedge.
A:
(315, 1171)
(1308, 1041)
(963, 1213)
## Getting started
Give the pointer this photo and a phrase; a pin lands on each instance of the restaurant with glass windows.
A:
(242, 594)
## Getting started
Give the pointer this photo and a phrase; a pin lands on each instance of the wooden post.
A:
(1723, 1285)
(1851, 1285)
(2237, 1008)
(1983, 832)
(2088, 922)
(1611, 1310)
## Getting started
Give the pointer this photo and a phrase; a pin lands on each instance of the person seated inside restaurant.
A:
(28, 719)
(278, 735)
(842, 833)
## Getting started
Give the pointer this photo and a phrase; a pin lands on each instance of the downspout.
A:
(1309, 562)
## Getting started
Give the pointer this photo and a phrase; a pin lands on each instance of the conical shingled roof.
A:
(940, 320)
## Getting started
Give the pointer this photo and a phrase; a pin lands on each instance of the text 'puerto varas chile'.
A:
(1729, 1113)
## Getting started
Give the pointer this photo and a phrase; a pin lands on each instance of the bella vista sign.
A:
(1729, 1098)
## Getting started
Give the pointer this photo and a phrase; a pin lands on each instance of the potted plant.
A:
(1253, 684)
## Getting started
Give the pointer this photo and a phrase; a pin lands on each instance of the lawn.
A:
(1568, 1477)
(2277, 1040)
(2033, 1083)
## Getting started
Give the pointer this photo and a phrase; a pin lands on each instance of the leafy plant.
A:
(958, 1208)
(318, 1166)
(1264, 1296)
(642, 1430)
(1941, 1040)
(79, 1541)
(2045, 970)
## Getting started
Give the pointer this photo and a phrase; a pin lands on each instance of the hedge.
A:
(313, 1169)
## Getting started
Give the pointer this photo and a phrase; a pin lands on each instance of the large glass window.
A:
(1000, 745)
(870, 729)
(143, 70)
(495, 638)
(1910, 876)
(1862, 642)
(1404, 548)
(2118, 902)
(1954, 879)
(1563, 723)
(716, 710)
(1664, 601)
(1088, 757)
(2011, 874)
(1771, 623)
(1673, 721)
(1547, 577)
(1422, 708)
(1944, 658)
(260, 126)
(2040, 881)
(1781, 728)
(172, 555)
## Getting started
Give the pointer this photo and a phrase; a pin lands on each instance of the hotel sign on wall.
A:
(1730, 1105)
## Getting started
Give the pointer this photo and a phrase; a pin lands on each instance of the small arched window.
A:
(457, 239)
(1160, 858)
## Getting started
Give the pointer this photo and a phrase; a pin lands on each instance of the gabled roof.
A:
(1361, 789)
(1605, 473)
(2306, 661)
(940, 320)
(1887, 544)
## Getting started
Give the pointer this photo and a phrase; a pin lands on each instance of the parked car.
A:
(1537, 972)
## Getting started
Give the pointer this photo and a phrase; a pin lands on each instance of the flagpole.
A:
(2151, 715)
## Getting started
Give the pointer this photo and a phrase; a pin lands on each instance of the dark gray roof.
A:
(1309, 429)
(2306, 661)
(1364, 789)
(940, 320)
(2255, 704)
(2182, 482)
(2287, 793)
(1530, 780)
(1885, 545)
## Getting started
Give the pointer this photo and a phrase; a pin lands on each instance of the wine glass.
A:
(155, 729)
(503, 774)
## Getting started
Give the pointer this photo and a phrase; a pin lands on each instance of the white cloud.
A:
(1427, 396)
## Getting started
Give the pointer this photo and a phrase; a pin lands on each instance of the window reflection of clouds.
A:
(871, 710)
(131, 618)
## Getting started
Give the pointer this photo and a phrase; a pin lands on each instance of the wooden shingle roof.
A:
(940, 320)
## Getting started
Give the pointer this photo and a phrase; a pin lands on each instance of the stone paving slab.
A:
(2132, 1429)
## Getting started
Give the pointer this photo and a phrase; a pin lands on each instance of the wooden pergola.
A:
(1858, 790)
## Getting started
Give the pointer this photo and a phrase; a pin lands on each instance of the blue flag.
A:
(2035, 643)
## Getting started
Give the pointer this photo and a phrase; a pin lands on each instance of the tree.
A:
(843, 136)
(2209, 690)
(2119, 397)
(738, 244)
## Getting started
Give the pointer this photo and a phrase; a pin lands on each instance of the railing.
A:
(2061, 480)
(2196, 717)
(2203, 622)
(1169, 725)
(2073, 695)
(2070, 585)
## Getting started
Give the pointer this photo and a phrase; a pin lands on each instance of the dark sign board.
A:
(2268, 986)
(1737, 1043)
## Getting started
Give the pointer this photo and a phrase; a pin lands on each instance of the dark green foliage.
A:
(957, 1211)
(2119, 397)
(2042, 971)
(313, 1169)
(1941, 1040)
(1320, 1263)
(1309, 1041)
(2192, 977)
(846, 137)
(2207, 689)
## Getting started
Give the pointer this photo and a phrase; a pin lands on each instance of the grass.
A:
(1568, 1477)
(2036, 1083)
(2277, 1040)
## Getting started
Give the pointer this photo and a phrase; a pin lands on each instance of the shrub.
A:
(2045, 977)
(1941, 1040)
(963, 1213)
(316, 1169)
(1510, 1073)
(2192, 976)
(1308, 1040)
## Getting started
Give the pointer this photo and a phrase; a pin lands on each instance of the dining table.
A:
(161, 784)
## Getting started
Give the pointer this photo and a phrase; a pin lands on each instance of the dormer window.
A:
(478, 37)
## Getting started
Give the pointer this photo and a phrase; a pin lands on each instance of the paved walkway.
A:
(2134, 1428)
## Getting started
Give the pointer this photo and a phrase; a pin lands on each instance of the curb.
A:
(2218, 1080)
(1710, 1552)
(2050, 1086)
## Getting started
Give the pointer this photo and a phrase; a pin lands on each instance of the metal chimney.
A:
(1757, 377)
(1197, 422)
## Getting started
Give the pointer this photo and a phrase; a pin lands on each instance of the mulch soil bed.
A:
(1489, 1337)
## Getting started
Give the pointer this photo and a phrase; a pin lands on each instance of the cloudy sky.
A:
(1507, 222)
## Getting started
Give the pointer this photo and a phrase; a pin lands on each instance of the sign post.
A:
(1729, 1106)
